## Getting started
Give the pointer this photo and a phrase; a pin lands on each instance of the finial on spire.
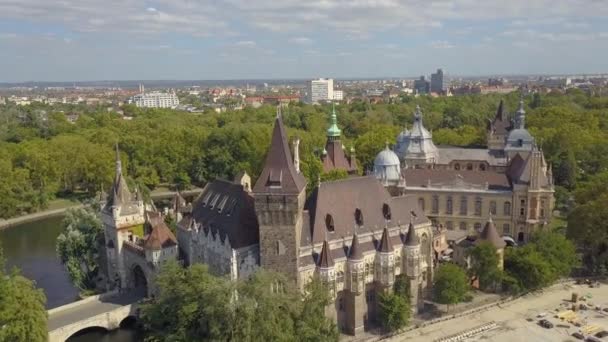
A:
(386, 145)
(333, 131)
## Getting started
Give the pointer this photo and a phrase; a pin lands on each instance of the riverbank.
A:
(59, 207)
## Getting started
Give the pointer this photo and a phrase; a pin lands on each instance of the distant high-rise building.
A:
(155, 100)
(338, 95)
(437, 82)
(321, 89)
(421, 85)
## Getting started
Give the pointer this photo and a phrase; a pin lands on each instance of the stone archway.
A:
(139, 281)
(77, 336)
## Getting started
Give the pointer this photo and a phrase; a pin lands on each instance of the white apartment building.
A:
(155, 100)
(321, 89)
(338, 95)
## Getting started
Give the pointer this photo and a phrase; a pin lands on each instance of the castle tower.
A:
(498, 129)
(122, 212)
(334, 156)
(411, 251)
(490, 234)
(279, 194)
(356, 306)
(325, 269)
(385, 261)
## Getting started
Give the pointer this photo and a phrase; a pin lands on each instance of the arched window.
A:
(482, 167)
(464, 206)
(463, 226)
(507, 208)
(506, 229)
(449, 225)
(449, 206)
(435, 204)
(359, 216)
(493, 207)
(421, 203)
(329, 222)
(469, 166)
(478, 206)
(386, 211)
(456, 166)
(477, 226)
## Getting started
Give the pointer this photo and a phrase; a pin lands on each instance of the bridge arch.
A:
(86, 330)
(128, 322)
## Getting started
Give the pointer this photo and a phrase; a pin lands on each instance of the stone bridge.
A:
(106, 311)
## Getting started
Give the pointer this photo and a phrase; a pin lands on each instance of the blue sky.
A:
(76, 40)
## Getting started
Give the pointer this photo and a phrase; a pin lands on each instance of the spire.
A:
(120, 193)
(500, 111)
(118, 162)
(418, 114)
(279, 174)
(354, 253)
(325, 258)
(333, 131)
(385, 242)
(490, 234)
(411, 239)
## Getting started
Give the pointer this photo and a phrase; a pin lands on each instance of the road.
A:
(90, 309)
(511, 318)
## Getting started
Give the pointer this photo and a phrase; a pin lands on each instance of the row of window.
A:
(469, 166)
(464, 206)
(506, 228)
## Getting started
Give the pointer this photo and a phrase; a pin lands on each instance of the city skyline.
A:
(236, 39)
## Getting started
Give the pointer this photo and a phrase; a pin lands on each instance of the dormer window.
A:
(359, 217)
(329, 222)
(386, 211)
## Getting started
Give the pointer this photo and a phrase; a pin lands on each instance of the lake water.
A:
(31, 247)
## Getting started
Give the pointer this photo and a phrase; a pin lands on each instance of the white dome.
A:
(386, 157)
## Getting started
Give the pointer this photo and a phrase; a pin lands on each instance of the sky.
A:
(85, 40)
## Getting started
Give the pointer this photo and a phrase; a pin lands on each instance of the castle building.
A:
(459, 188)
(334, 157)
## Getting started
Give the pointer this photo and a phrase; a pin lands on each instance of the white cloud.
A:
(441, 44)
(301, 40)
(245, 43)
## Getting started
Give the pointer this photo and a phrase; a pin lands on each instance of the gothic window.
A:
(482, 167)
(522, 208)
(449, 225)
(507, 208)
(448, 207)
(463, 205)
(421, 203)
(506, 229)
(456, 166)
(542, 208)
(329, 222)
(463, 226)
(341, 304)
(477, 226)
(340, 277)
(370, 296)
(493, 207)
(359, 216)
(435, 204)
(280, 248)
(478, 206)
(469, 166)
(367, 270)
(386, 211)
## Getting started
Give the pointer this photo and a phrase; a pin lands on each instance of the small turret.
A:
(385, 268)
(411, 251)
(325, 268)
(356, 279)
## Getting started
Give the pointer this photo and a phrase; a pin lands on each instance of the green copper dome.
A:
(333, 130)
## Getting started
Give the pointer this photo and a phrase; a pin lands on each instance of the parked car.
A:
(545, 324)
(578, 335)
(591, 338)
(605, 310)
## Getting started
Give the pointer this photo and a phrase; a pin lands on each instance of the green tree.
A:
(451, 285)
(23, 315)
(484, 265)
(401, 286)
(529, 267)
(78, 247)
(311, 322)
(557, 250)
(394, 311)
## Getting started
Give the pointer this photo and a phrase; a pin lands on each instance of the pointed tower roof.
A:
(490, 234)
(521, 114)
(500, 113)
(119, 196)
(385, 242)
(279, 174)
(160, 237)
(333, 131)
(411, 239)
(354, 252)
(325, 258)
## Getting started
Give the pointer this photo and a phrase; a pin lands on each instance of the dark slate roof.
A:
(336, 159)
(520, 170)
(489, 234)
(421, 178)
(411, 239)
(342, 198)
(160, 237)
(448, 154)
(501, 123)
(178, 202)
(120, 196)
(354, 251)
(279, 174)
(325, 259)
(226, 208)
(385, 245)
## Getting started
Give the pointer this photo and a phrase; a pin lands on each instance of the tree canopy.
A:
(484, 265)
(451, 284)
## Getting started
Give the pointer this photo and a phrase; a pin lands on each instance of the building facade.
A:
(320, 90)
(460, 188)
(437, 82)
(155, 100)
